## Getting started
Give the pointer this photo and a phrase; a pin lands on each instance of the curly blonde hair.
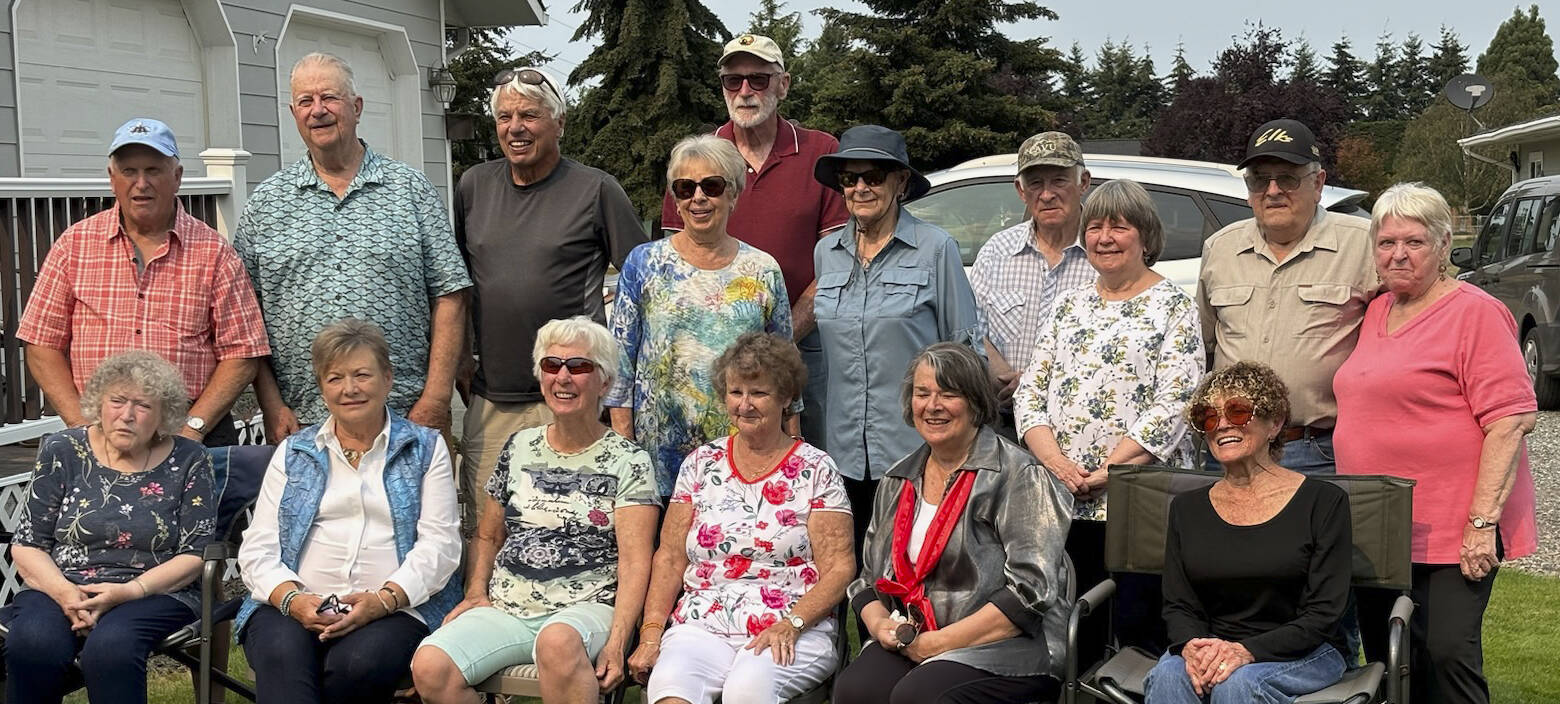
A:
(1251, 380)
(145, 372)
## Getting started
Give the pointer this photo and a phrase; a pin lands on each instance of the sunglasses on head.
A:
(873, 177)
(528, 76)
(713, 186)
(1238, 411)
(733, 81)
(575, 365)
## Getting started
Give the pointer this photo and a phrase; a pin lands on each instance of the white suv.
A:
(975, 200)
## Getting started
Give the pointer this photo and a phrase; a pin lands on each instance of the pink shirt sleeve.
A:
(46, 319)
(1490, 368)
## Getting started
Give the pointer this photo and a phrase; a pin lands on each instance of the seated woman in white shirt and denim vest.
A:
(355, 544)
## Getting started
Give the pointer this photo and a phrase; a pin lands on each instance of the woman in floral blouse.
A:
(1112, 371)
(757, 537)
(118, 514)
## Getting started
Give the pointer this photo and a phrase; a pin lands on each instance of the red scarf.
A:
(909, 580)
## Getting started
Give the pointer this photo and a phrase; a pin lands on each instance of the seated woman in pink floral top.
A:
(758, 539)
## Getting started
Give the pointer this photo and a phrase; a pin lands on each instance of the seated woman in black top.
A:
(1257, 565)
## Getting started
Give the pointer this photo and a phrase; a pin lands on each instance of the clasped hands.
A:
(361, 609)
(1082, 483)
(88, 602)
(1210, 661)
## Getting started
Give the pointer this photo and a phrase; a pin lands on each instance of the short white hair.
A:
(553, 104)
(320, 58)
(579, 330)
(719, 153)
(1420, 203)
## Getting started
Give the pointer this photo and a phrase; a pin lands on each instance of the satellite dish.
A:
(1469, 91)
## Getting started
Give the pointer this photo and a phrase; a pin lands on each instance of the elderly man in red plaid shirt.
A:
(145, 275)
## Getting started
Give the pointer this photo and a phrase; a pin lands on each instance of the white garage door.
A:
(379, 126)
(84, 67)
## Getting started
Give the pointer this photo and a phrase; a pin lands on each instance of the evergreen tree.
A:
(928, 68)
(655, 60)
(1416, 83)
(474, 69)
(1450, 59)
(1382, 100)
(1180, 72)
(1524, 49)
(1075, 78)
(1305, 69)
(1126, 95)
(1343, 76)
(815, 72)
(785, 28)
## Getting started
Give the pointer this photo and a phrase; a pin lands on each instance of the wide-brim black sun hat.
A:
(870, 143)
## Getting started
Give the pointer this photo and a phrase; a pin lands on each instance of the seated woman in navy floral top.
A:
(118, 515)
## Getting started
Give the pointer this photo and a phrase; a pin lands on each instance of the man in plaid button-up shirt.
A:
(145, 275)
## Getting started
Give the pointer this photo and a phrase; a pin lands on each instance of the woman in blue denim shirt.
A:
(889, 283)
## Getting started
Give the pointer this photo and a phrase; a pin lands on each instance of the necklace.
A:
(352, 455)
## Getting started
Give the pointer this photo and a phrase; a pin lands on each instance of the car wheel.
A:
(1546, 387)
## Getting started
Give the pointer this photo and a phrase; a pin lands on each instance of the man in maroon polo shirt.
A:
(782, 210)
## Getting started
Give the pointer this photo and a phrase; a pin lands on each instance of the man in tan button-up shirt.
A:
(1288, 288)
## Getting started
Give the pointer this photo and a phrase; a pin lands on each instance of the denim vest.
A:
(308, 470)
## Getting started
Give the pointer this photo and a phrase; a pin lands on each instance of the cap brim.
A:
(1049, 161)
(1286, 156)
(778, 61)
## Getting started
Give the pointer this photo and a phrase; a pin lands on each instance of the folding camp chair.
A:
(238, 471)
(1381, 509)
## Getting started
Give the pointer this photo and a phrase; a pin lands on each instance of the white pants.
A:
(697, 666)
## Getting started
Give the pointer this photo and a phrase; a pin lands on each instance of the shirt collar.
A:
(787, 141)
(907, 230)
(176, 231)
(371, 170)
(1015, 246)
(325, 437)
(985, 454)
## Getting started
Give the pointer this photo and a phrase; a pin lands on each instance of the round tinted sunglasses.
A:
(528, 76)
(713, 186)
(1238, 411)
(575, 365)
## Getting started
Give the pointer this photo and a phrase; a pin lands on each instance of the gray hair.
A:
(320, 58)
(344, 337)
(579, 330)
(958, 369)
(717, 152)
(1127, 201)
(149, 374)
(1417, 202)
(554, 104)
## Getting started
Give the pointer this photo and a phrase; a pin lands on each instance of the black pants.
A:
(1447, 650)
(365, 666)
(861, 493)
(221, 432)
(882, 677)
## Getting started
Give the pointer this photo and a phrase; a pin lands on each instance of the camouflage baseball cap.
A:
(1049, 149)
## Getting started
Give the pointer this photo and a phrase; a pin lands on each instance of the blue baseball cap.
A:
(145, 130)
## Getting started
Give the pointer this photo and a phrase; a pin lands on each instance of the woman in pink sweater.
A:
(1436, 391)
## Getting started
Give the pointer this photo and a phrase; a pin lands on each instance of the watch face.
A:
(797, 622)
(196, 423)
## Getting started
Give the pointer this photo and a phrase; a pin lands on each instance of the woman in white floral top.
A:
(558, 568)
(757, 538)
(1113, 369)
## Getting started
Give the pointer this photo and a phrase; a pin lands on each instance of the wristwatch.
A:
(796, 622)
(1480, 522)
(196, 423)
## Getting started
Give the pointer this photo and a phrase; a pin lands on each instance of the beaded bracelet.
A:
(381, 597)
(287, 602)
(395, 600)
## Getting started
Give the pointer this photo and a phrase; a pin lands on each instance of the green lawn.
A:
(1521, 635)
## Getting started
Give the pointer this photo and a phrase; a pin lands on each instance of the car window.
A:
(1490, 240)
(971, 212)
(1549, 226)
(1184, 223)
(1229, 211)
(1524, 221)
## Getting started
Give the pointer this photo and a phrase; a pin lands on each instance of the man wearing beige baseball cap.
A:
(1021, 270)
(783, 210)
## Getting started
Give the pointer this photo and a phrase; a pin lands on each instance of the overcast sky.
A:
(1205, 27)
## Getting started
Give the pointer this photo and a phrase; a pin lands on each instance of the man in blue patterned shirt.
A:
(342, 232)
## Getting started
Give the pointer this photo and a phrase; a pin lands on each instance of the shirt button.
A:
(137, 331)
(140, 295)
(1264, 339)
(1272, 304)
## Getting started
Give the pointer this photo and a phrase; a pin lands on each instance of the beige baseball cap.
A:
(756, 44)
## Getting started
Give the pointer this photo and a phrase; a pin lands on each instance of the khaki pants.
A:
(487, 428)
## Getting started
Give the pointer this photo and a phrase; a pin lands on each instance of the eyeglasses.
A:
(713, 186)
(576, 365)
(528, 76)
(1238, 411)
(1257, 183)
(873, 177)
(756, 81)
(332, 604)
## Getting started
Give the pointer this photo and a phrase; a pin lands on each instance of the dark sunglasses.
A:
(332, 604)
(576, 365)
(713, 186)
(528, 76)
(873, 177)
(1238, 411)
(1257, 183)
(757, 81)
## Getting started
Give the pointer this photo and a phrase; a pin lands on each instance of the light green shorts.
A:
(484, 640)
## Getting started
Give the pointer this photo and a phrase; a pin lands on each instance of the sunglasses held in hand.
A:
(333, 605)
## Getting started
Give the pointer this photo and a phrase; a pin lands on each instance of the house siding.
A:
(10, 145)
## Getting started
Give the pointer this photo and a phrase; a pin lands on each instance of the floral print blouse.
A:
(749, 555)
(1107, 369)
(103, 525)
(560, 548)
(672, 319)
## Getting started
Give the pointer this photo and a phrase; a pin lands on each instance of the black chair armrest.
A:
(219, 550)
(1091, 601)
(1397, 649)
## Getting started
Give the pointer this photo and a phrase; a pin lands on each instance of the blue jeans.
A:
(1310, 455)
(1255, 683)
(815, 394)
(366, 666)
(41, 647)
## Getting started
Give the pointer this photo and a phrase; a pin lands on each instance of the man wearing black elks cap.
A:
(1288, 287)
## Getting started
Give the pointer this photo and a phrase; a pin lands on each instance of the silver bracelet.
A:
(287, 602)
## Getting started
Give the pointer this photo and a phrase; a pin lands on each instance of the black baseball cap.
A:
(1282, 139)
